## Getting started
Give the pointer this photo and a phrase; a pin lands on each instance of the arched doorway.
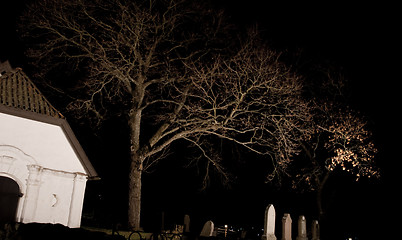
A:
(9, 196)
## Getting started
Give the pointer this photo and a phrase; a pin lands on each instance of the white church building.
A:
(43, 168)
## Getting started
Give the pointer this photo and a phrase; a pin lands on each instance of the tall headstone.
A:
(208, 229)
(315, 230)
(269, 223)
(163, 222)
(301, 229)
(286, 227)
(186, 223)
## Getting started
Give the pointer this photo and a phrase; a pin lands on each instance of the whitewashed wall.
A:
(52, 180)
(46, 143)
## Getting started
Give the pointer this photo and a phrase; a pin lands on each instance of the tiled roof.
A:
(18, 91)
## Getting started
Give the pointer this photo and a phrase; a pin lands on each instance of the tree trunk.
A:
(319, 204)
(134, 195)
(321, 212)
(136, 161)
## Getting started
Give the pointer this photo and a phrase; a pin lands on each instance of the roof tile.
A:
(18, 91)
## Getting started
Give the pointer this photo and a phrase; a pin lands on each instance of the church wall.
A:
(40, 153)
(45, 142)
(47, 195)
(54, 197)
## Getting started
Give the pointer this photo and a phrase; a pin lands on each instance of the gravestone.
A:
(315, 230)
(186, 223)
(163, 222)
(301, 229)
(269, 223)
(286, 227)
(208, 229)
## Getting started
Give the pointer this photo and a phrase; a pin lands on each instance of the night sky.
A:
(362, 39)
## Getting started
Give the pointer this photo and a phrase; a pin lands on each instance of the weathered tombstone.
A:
(207, 230)
(269, 223)
(315, 230)
(286, 227)
(186, 223)
(163, 222)
(302, 229)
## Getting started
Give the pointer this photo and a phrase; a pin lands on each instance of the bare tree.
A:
(165, 66)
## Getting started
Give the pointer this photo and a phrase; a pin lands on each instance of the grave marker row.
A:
(269, 226)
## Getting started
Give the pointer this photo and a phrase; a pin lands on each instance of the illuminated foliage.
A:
(339, 141)
(351, 145)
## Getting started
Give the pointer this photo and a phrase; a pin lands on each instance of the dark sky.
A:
(361, 38)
